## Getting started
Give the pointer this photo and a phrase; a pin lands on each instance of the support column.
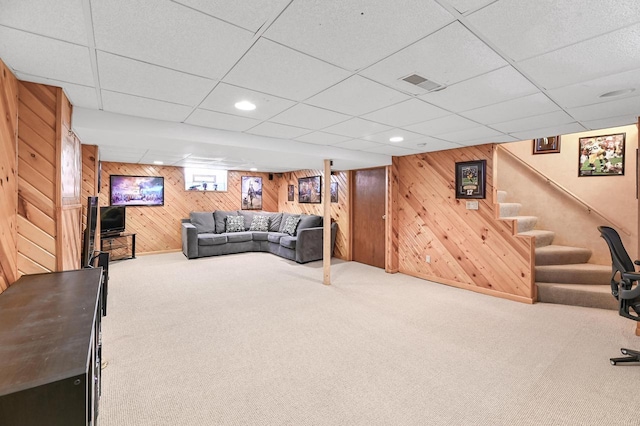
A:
(326, 236)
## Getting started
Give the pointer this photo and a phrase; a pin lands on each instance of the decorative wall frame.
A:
(471, 179)
(251, 193)
(601, 155)
(334, 192)
(290, 192)
(548, 145)
(309, 190)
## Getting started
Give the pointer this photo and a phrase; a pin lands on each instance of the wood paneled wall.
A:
(90, 172)
(469, 249)
(158, 228)
(339, 210)
(8, 177)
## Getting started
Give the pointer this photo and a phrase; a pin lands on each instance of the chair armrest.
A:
(632, 293)
(189, 240)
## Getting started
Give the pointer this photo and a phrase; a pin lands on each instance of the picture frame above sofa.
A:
(310, 190)
(251, 193)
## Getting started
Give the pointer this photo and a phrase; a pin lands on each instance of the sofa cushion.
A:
(239, 237)
(309, 221)
(290, 225)
(235, 224)
(259, 236)
(288, 242)
(220, 217)
(285, 216)
(248, 217)
(259, 223)
(274, 237)
(211, 239)
(275, 221)
(203, 221)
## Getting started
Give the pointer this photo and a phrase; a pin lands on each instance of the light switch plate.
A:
(472, 205)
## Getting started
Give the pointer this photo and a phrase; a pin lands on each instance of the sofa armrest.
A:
(309, 243)
(189, 240)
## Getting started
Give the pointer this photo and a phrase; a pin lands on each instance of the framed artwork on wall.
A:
(251, 193)
(471, 179)
(334, 192)
(547, 145)
(290, 192)
(309, 190)
(601, 155)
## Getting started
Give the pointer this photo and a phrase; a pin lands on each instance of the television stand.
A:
(119, 246)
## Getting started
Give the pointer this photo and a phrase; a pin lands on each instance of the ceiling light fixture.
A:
(159, 163)
(253, 169)
(245, 106)
(617, 93)
(396, 139)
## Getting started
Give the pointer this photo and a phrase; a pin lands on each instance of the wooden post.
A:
(326, 236)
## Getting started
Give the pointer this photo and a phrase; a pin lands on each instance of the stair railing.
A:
(550, 181)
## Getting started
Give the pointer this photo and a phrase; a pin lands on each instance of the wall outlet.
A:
(427, 259)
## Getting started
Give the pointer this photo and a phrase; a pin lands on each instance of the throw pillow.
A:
(234, 224)
(259, 223)
(290, 225)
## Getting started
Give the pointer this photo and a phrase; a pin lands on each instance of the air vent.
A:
(422, 82)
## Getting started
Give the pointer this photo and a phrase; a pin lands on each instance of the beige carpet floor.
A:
(253, 339)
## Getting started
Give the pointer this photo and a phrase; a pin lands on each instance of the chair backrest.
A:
(619, 256)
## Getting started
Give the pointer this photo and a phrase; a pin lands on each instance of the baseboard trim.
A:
(158, 252)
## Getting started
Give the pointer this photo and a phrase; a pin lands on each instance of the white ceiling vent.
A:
(428, 85)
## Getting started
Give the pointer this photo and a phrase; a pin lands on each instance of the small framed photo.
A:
(471, 179)
(601, 155)
(251, 193)
(290, 192)
(334, 192)
(309, 190)
(547, 145)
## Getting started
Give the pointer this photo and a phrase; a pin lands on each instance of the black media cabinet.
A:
(119, 246)
(50, 347)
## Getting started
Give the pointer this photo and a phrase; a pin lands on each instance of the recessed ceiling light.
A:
(396, 139)
(253, 169)
(245, 106)
(159, 163)
(617, 93)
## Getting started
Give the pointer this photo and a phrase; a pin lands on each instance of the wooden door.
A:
(368, 223)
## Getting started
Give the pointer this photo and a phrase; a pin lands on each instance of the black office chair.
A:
(624, 285)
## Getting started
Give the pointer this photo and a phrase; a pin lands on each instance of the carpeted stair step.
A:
(509, 209)
(543, 238)
(583, 273)
(525, 223)
(502, 196)
(588, 295)
(560, 255)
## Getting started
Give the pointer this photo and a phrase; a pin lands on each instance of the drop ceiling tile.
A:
(466, 6)
(406, 112)
(393, 150)
(275, 130)
(614, 108)
(588, 92)
(356, 96)
(309, 117)
(143, 107)
(448, 124)
(41, 56)
(610, 122)
(490, 88)
(357, 128)
(224, 97)
(492, 139)
(357, 144)
(525, 106)
(284, 71)
(523, 29)
(474, 133)
(616, 52)
(60, 19)
(248, 14)
(168, 34)
(428, 144)
(316, 27)
(383, 137)
(322, 138)
(535, 122)
(137, 78)
(563, 129)
(217, 120)
(446, 57)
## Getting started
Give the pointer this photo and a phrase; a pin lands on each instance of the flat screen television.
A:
(89, 234)
(136, 190)
(112, 220)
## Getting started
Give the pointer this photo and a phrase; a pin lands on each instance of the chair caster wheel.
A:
(613, 362)
(624, 351)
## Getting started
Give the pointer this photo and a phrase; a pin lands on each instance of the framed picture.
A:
(546, 145)
(334, 192)
(601, 155)
(290, 192)
(309, 190)
(470, 179)
(251, 193)
(136, 190)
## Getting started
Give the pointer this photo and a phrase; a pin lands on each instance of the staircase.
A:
(562, 274)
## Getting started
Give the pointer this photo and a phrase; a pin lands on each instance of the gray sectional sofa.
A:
(214, 233)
